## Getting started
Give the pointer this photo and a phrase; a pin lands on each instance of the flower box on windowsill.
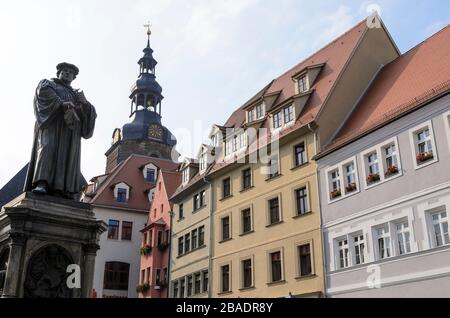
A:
(390, 171)
(424, 156)
(373, 178)
(143, 288)
(163, 246)
(162, 284)
(350, 188)
(145, 250)
(336, 193)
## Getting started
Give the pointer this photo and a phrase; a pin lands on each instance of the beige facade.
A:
(286, 236)
(193, 262)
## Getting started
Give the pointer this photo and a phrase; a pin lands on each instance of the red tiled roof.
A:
(411, 80)
(172, 180)
(334, 58)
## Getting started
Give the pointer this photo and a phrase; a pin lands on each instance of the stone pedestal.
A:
(46, 240)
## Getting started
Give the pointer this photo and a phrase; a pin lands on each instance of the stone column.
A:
(14, 271)
(90, 252)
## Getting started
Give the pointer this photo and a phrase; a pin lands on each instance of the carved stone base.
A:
(45, 240)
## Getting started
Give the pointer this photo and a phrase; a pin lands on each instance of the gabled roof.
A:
(171, 180)
(128, 171)
(408, 82)
(333, 59)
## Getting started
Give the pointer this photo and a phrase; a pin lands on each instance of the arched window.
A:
(116, 276)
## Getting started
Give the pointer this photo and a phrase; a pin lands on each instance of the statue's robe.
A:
(56, 152)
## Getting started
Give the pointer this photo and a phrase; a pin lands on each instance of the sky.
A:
(213, 55)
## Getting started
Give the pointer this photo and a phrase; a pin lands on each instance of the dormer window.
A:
(302, 84)
(283, 118)
(186, 175)
(150, 175)
(203, 162)
(259, 111)
(122, 192)
(121, 195)
(288, 114)
(250, 116)
(277, 120)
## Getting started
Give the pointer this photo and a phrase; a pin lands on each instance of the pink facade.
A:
(155, 248)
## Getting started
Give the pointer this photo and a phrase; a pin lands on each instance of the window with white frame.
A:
(186, 175)
(242, 140)
(383, 242)
(277, 120)
(403, 237)
(273, 166)
(335, 184)
(373, 168)
(250, 116)
(259, 111)
(422, 141)
(235, 143)
(440, 228)
(203, 162)
(302, 84)
(390, 160)
(343, 253)
(358, 243)
(228, 147)
(350, 177)
(288, 114)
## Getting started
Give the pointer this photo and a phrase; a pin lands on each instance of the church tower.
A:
(145, 135)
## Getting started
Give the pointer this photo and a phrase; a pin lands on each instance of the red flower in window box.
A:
(336, 193)
(424, 156)
(146, 249)
(391, 170)
(373, 177)
(350, 187)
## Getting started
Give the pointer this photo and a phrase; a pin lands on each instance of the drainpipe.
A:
(169, 266)
(322, 245)
(211, 238)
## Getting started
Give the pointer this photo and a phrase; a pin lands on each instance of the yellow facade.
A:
(285, 236)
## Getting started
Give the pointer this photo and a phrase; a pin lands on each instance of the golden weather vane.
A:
(148, 25)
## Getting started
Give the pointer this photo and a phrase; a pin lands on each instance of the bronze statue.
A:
(63, 117)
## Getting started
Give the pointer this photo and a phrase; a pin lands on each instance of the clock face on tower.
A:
(155, 131)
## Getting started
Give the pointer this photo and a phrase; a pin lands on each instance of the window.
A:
(350, 177)
(189, 285)
(159, 186)
(302, 85)
(121, 195)
(403, 238)
(384, 242)
(116, 276)
(275, 263)
(305, 259)
(144, 240)
(226, 188)
(180, 212)
(422, 141)
(205, 281)
(194, 239)
(358, 243)
(273, 166)
(235, 143)
(180, 246)
(187, 242)
(149, 270)
(197, 283)
(202, 198)
(196, 202)
(300, 154)
(242, 140)
(228, 147)
(335, 183)
(203, 162)
(113, 229)
(225, 277)
(143, 276)
(186, 175)
(158, 277)
(250, 115)
(288, 114)
(246, 221)
(246, 179)
(440, 225)
(127, 229)
(175, 290)
(226, 228)
(159, 238)
(390, 160)
(150, 175)
(277, 120)
(301, 197)
(343, 253)
(274, 211)
(201, 236)
(150, 237)
(247, 274)
(259, 111)
(182, 287)
(373, 168)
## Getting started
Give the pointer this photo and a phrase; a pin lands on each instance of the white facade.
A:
(124, 251)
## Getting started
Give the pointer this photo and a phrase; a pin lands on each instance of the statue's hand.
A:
(68, 105)
(81, 98)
